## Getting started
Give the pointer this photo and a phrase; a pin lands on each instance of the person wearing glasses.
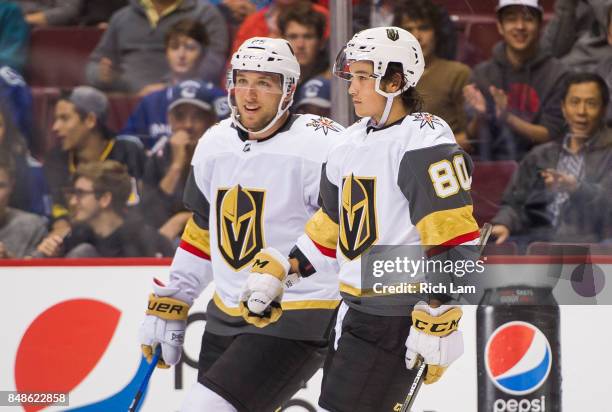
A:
(97, 201)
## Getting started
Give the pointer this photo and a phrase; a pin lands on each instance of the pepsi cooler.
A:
(518, 344)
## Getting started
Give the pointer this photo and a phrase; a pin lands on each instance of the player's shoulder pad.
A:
(310, 137)
(315, 125)
(425, 130)
(217, 138)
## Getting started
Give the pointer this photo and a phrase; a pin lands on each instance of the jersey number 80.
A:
(447, 177)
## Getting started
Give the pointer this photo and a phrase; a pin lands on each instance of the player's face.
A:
(191, 119)
(583, 109)
(304, 41)
(69, 126)
(6, 186)
(519, 27)
(424, 33)
(367, 102)
(257, 98)
(83, 202)
(183, 54)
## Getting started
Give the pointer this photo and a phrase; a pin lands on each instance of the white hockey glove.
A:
(435, 336)
(261, 296)
(164, 324)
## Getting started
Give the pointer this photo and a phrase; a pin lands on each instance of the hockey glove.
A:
(164, 324)
(260, 298)
(435, 336)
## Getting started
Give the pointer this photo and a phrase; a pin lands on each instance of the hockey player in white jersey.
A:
(397, 178)
(254, 182)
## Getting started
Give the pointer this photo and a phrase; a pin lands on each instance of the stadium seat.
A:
(58, 55)
(43, 106)
(480, 38)
(489, 180)
(120, 108)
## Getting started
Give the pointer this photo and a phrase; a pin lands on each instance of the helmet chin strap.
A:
(386, 112)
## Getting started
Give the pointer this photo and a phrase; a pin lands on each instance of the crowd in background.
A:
(73, 186)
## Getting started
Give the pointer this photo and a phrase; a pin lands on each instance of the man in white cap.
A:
(514, 97)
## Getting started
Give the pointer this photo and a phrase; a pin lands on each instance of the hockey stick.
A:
(416, 384)
(145, 381)
(485, 233)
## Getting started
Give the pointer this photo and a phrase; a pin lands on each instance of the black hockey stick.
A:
(485, 233)
(416, 384)
(145, 381)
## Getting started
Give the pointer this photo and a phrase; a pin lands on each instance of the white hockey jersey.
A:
(247, 195)
(404, 184)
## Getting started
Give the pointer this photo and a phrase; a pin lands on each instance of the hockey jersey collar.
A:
(370, 127)
(244, 136)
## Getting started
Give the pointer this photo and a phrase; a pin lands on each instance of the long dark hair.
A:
(411, 99)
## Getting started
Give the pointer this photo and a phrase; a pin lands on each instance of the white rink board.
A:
(585, 345)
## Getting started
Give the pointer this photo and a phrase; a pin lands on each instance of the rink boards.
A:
(74, 328)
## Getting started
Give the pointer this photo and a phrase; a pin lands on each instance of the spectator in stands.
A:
(32, 194)
(80, 125)
(514, 103)
(16, 97)
(14, 36)
(20, 231)
(149, 121)
(185, 42)
(97, 201)
(562, 189)
(314, 97)
(131, 54)
(190, 113)
(604, 69)
(51, 12)
(304, 28)
(264, 23)
(577, 33)
(441, 85)
(98, 13)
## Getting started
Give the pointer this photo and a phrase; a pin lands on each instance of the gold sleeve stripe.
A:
(323, 232)
(266, 263)
(292, 305)
(438, 228)
(196, 237)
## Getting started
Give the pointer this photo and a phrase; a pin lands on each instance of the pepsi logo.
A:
(518, 358)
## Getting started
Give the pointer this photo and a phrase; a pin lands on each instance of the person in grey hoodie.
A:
(514, 98)
(577, 33)
(131, 53)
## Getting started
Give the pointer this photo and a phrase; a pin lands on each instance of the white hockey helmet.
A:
(381, 46)
(263, 54)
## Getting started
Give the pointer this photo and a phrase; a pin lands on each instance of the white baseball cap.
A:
(534, 4)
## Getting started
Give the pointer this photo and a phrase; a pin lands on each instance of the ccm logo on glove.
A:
(437, 325)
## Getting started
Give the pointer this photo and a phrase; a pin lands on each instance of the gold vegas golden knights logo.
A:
(358, 217)
(239, 224)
